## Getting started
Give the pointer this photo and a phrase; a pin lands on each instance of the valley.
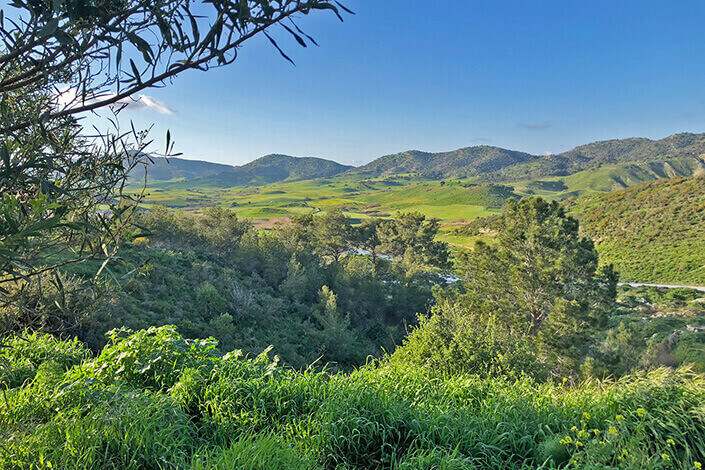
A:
(492, 285)
(472, 183)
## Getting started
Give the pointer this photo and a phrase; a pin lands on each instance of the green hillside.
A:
(462, 163)
(615, 177)
(162, 169)
(611, 152)
(599, 166)
(271, 169)
(652, 232)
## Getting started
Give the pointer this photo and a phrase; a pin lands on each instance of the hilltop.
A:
(652, 232)
(677, 148)
(271, 169)
(162, 169)
(462, 163)
(599, 166)
(623, 162)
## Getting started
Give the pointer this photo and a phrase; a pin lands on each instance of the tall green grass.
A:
(194, 409)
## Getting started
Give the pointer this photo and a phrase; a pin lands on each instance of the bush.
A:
(151, 359)
(209, 412)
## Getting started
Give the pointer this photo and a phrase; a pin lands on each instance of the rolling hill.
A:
(612, 164)
(652, 232)
(272, 169)
(599, 166)
(161, 169)
(462, 163)
(598, 155)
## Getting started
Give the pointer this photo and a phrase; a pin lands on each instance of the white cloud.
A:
(68, 97)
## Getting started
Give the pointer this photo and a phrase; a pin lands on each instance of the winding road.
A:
(666, 286)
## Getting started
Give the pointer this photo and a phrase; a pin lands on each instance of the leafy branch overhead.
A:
(106, 51)
(63, 188)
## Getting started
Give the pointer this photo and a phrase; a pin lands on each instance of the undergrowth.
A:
(153, 400)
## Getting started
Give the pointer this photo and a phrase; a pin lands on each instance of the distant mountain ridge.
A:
(462, 163)
(677, 155)
(609, 152)
(602, 166)
(274, 168)
(161, 169)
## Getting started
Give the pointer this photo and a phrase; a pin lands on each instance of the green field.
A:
(358, 197)
(668, 249)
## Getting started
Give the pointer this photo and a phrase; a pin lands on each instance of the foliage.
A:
(149, 359)
(212, 274)
(62, 192)
(216, 230)
(651, 327)
(538, 283)
(408, 237)
(21, 356)
(411, 237)
(250, 413)
(455, 339)
(55, 303)
(109, 51)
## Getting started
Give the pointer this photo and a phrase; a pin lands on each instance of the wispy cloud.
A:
(536, 126)
(480, 140)
(67, 98)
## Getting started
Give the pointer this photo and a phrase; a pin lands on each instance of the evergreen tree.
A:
(334, 234)
(537, 282)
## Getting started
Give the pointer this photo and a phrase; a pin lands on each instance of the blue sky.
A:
(531, 75)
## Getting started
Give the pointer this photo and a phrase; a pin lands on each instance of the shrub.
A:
(152, 359)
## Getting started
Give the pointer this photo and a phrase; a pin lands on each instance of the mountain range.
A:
(605, 165)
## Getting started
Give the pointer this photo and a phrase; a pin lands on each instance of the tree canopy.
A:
(537, 282)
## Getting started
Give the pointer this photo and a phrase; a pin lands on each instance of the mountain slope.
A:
(615, 177)
(652, 232)
(272, 169)
(610, 152)
(461, 163)
(161, 169)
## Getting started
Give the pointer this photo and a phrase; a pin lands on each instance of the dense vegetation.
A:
(653, 232)
(151, 399)
(530, 302)
(301, 288)
(509, 370)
